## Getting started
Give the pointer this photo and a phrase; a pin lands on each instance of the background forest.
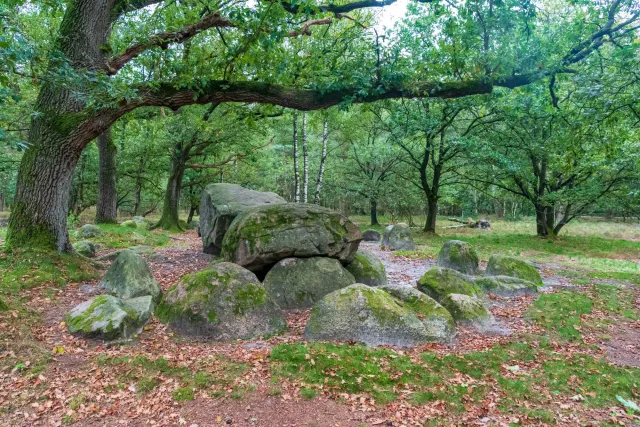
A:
(561, 147)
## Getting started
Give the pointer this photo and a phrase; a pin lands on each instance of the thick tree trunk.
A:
(325, 128)
(170, 219)
(305, 159)
(373, 206)
(544, 221)
(296, 169)
(107, 204)
(39, 214)
(58, 134)
(432, 213)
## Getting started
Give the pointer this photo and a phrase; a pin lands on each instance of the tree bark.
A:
(432, 213)
(137, 193)
(107, 204)
(296, 170)
(1, 202)
(170, 219)
(323, 158)
(305, 159)
(373, 206)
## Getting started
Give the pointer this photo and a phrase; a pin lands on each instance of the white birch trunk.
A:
(322, 162)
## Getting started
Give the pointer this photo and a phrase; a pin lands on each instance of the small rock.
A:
(459, 256)
(398, 237)
(129, 276)
(88, 231)
(85, 248)
(367, 268)
(129, 224)
(371, 236)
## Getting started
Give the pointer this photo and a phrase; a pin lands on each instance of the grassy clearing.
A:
(563, 313)
(215, 375)
(117, 236)
(531, 369)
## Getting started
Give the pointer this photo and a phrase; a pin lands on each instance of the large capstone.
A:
(436, 319)
(367, 268)
(85, 248)
(88, 231)
(398, 237)
(129, 276)
(500, 265)
(460, 256)
(368, 315)
(439, 282)
(220, 204)
(505, 286)
(260, 237)
(301, 282)
(107, 317)
(223, 302)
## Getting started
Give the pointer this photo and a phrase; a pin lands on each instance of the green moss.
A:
(439, 282)
(499, 265)
(249, 297)
(183, 393)
(383, 306)
(3, 305)
(211, 315)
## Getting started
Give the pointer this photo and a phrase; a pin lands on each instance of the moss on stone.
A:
(439, 282)
(129, 224)
(466, 308)
(249, 297)
(367, 268)
(500, 265)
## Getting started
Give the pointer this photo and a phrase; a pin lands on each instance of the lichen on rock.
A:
(129, 276)
(459, 256)
(439, 282)
(367, 268)
(500, 265)
(223, 302)
(398, 237)
(301, 282)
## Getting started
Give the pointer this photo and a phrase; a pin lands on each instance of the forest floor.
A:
(567, 356)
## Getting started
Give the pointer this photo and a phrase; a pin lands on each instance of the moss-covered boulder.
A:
(398, 237)
(469, 311)
(505, 286)
(107, 317)
(88, 231)
(371, 236)
(364, 314)
(439, 282)
(500, 265)
(129, 224)
(85, 248)
(367, 268)
(301, 282)
(223, 302)
(220, 204)
(460, 256)
(437, 321)
(129, 277)
(260, 237)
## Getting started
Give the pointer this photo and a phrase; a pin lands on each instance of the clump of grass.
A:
(308, 393)
(117, 236)
(143, 371)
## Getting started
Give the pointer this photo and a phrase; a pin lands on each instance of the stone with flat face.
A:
(220, 204)
(260, 237)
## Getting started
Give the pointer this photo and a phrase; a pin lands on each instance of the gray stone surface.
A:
(367, 268)
(223, 302)
(301, 282)
(260, 237)
(85, 248)
(129, 277)
(398, 237)
(88, 231)
(367, 315)
(459, 256)
(439, 282)
(220, 204)
(371, 236)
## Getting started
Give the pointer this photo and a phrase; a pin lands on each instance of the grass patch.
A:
(562, 313)
(116, 236)
(524, 371)
(214, 373)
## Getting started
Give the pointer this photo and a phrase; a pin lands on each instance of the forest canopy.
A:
(507, 107)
